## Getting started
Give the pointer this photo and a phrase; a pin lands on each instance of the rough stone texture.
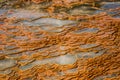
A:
(38, 46)
(7, 63)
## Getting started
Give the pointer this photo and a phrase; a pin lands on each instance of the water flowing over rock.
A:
(59, 40)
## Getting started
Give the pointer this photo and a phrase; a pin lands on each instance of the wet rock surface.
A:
(110, 6)
(34, 45)
(7, 63)
(82, 10)
(87, 30)
(49, 21)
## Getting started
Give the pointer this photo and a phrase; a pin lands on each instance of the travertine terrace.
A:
(60, 42)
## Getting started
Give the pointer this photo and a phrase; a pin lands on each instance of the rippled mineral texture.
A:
(63, 40)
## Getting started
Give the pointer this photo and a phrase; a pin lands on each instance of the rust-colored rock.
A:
(37, 53)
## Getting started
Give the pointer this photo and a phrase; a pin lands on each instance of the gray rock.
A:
(88, 45)
(110, 5)
(66, 59)
(7, 63)
(82, 10)
(8, 71)
(49, 21)
(26, 14)
(86, 30)
(2, 11)
(89, 54)
(37, 62)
